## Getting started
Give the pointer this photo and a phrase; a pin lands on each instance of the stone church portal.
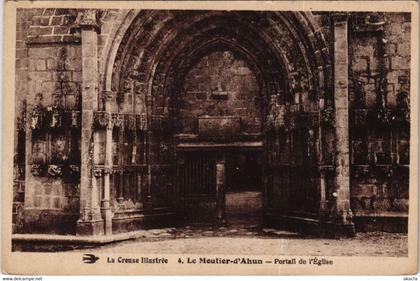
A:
(131, 119)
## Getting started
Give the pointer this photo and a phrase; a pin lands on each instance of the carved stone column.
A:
(220, 190)
(341, 213)
(90, 221)
(106, 207)
(150, 156)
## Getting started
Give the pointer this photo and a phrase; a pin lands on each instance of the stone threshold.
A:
(380, 214)
(88, 240)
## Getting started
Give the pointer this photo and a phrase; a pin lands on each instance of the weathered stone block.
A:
(57, 20)
(40, 65)
(213, 126)
(40, 76)
(62, 76)
(49, 221)
(395, 28)
(391, 99)
(219, 73)
(41, 20)
(51, 64)
(22, 64)
(404, 49)
(61, 30)
(49, 88)
(37, 201)
(399, 62)
(359, 65)
(39, 31)
(370, 99)
(20, 43)
(391, 48)
(48, 12)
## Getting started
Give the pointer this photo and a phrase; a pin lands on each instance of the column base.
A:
(148, 204)
(220, 222)
(90, 228)
(107, 215)
(340, 230)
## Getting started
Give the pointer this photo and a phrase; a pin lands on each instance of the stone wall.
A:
(379, 87)
(379, 78)
(220, 84)
(48, 78)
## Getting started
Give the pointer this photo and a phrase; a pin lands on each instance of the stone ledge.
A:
(382, 214)
(212, 145)
(53, 39)
(88, 240)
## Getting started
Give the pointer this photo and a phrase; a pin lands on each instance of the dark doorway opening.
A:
(244, 198)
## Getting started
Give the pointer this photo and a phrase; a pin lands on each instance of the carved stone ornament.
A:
(101, 171)
(328, 116)
(135, 74)
(37, 118)
(21, 121)
(38, 170)
(98, 172)
(120, 97)
(107, 95)
(55, 117)
(117, 120)
(54, 171)
(86, 19)
(368, 22)
(75, 119)
(276, 118)
(74, 170)
(102, 119)
(107, 171)
(141, 122)
(130, 122)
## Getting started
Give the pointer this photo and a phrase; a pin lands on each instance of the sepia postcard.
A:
(210, 138)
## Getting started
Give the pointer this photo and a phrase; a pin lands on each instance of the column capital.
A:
(107, 95)
(340, 16)
(87, 19)
(102, 119)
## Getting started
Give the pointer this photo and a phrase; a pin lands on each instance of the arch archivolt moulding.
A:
(140, 54)
(109, 50)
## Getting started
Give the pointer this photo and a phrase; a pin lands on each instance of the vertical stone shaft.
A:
(90, 222)
(343, 214)
(106, 210)
(106, 207)
(220, 192)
